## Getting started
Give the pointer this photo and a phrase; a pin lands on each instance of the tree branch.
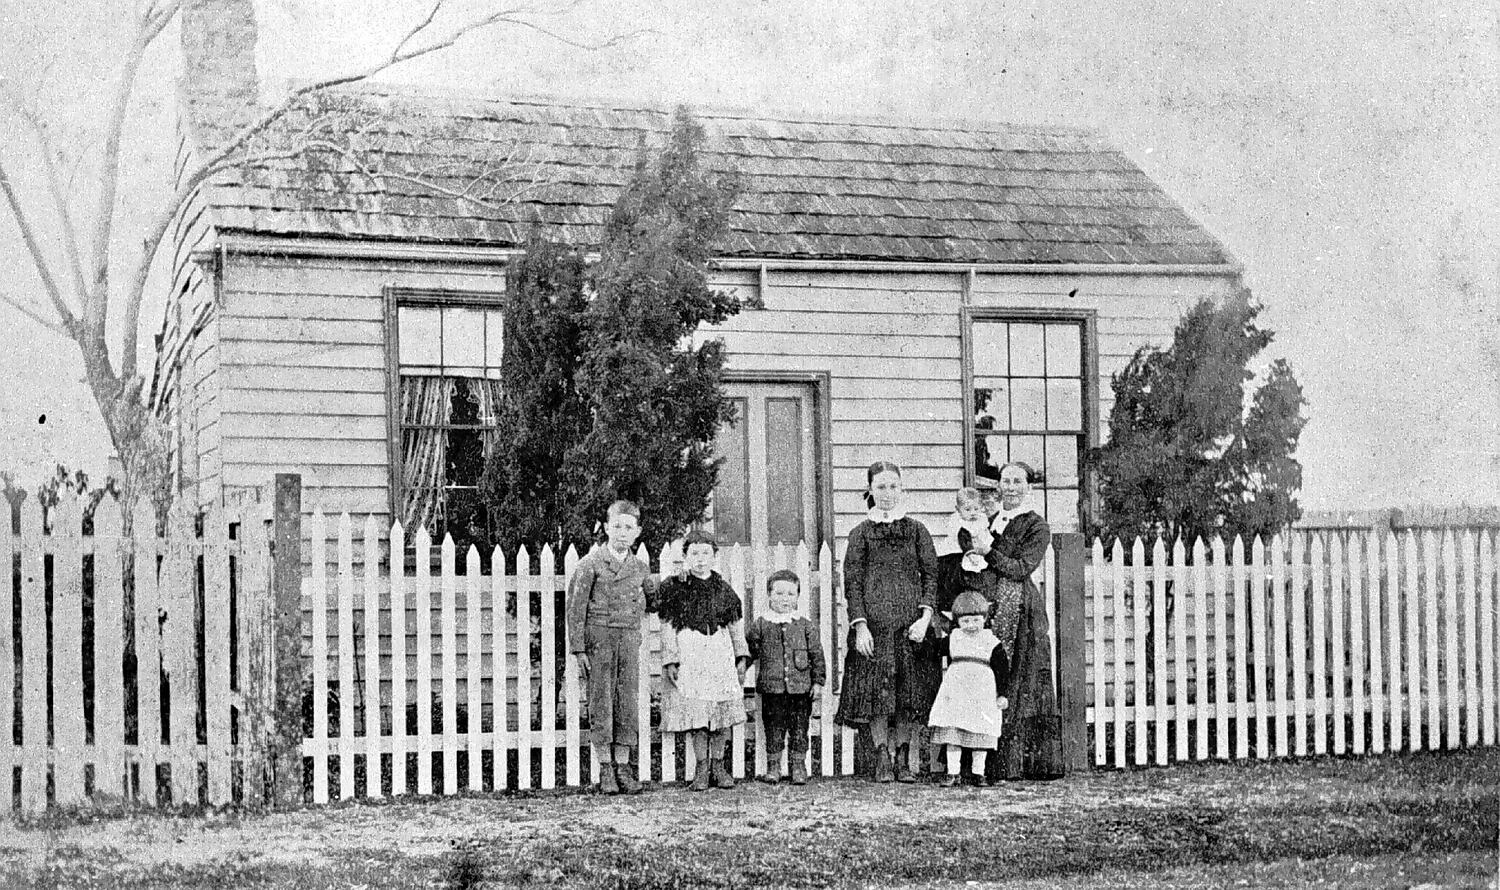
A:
(49, 282)
(35, 316)
(55, 187)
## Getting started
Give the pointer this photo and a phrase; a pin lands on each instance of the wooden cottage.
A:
(944, 296)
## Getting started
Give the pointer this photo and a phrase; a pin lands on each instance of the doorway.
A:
(769, 490)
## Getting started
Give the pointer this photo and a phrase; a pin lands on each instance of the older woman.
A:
(1031, 744)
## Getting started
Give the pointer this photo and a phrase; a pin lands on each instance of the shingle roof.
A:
(888, 191)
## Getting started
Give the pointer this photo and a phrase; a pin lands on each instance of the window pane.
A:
(992, 404)
(1028, 405)
(1064, 404)
(990, 348)
(1063, 350)
(1062, 460)
(494, 339)
(989, 454)
(463, 340)
(1028, 450)
(1062, 509)
(1026, 349)
(418, 342)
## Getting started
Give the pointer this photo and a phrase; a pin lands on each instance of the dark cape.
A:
(702, 604)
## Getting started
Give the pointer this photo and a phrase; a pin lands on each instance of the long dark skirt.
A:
(899, 680)
(1031, 744)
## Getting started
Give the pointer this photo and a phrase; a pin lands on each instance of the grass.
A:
(1395, 821)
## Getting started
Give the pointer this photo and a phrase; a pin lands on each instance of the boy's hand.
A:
(1002, 701)
(583, 666)
(742, 664)
(671, 671)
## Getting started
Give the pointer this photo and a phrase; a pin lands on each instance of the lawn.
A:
(1426, 820)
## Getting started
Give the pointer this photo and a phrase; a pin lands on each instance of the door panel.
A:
(767, 491)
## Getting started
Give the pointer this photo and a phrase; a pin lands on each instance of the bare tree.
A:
(85, 288)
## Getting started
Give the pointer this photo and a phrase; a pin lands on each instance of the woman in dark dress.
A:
(890, 582)
(1031, 743)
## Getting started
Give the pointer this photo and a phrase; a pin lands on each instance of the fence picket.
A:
(826, 729)
(1392, 599)
(1487, 594)
(257, 618)
(643, 687)
(180, 651)
(549, 669)
(841, 645)
(33, 660)
(216, 678)
(1358, 670)
(1319, 569)
(370, 688)
(1159, 710)
(1412, 596)
(1140, 614)
(500, 672)
(669, 739)
(1432, 691)
(398, 660)
(1374, 601)
(1095, 611)
(1299, 646)
(740, 576)
(448, 617)
(1240, 602)
(10, 549)
(1120, 664)
(1452, 672)
(147, 644)
(1471, 644)
(570, 679)
(67, 651)
(345, 636)
(1179, 651)
(474, 662)
(109, 650)
(524, 738)
(1202, 699)
(422, 588)
(1338, 642)
(1280, 700)
(1258, 647)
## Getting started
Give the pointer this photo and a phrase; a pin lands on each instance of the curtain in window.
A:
(425, 401)
(486, 396)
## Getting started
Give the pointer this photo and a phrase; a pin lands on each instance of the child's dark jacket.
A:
(789, 656)
(608, 592)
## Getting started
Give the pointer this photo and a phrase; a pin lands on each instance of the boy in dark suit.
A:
(791, 671)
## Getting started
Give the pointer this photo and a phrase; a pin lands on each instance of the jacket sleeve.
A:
(818, 663)
(577, 606)
(737, 634)
(1000, 665)
(854, 575)
(927, 564)
(1017, 562)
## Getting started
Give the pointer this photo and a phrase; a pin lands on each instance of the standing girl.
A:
(969, 706)
(1031, 745)
(890, 580)
(704, 657)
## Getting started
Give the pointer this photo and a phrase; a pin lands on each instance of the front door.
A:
(767, 491)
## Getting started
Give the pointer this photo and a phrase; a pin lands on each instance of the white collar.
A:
(1005, 516)
(774, 617)
(878, 515)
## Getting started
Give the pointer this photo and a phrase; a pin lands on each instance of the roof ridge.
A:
(711, 111)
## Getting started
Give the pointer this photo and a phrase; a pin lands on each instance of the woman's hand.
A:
(864, 642)
(918, 630)
(671, 671)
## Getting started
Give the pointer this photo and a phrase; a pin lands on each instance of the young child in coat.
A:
(704, 656)
(970, 703)
(791, 671)
(607, 600)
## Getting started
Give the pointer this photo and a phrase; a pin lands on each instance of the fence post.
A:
(1072, 645)
(285, 755)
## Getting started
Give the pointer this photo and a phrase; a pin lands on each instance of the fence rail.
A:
(1305, 645)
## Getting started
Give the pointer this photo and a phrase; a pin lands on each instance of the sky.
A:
(1346, 152)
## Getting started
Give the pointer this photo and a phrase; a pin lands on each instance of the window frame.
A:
(395, 298)
(1088, 495)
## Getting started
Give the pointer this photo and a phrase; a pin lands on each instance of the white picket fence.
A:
(1314, 644)
(182, 728)
(459, 689)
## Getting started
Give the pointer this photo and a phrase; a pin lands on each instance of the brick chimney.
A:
(220, 89)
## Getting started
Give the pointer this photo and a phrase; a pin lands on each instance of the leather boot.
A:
(722, 778)
(883, 771)
(798, 770)
(625, 773)
(607, 783)
(773, 768)
(903, 773)
(700, 776)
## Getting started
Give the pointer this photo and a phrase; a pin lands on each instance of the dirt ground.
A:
(1426, 821)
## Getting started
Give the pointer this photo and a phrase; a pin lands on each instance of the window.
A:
(447, 352)
(1030, 405)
